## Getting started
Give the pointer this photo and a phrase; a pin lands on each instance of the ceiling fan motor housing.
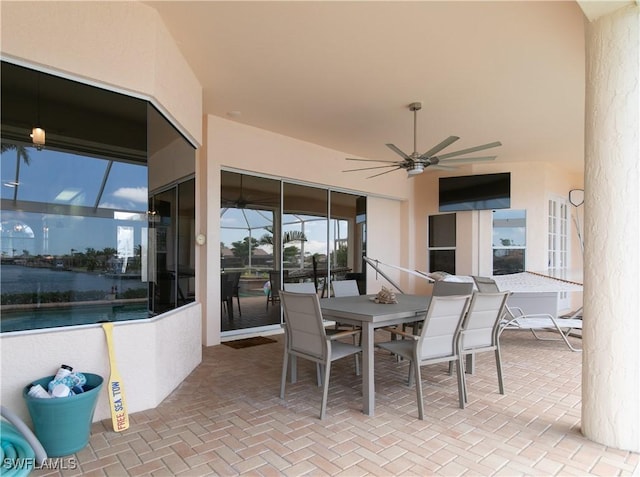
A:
(415, 169)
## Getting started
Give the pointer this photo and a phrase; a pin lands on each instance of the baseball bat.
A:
(115, 390)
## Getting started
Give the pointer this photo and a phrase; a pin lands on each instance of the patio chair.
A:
(275, 285)
(226, 294)
(480, 331)
(436, 342)
(306, 337)
(318, 276)
(234, 279)
(345, 288)
(303, 287)
(443, 288)
(514, 318)
(308, 287)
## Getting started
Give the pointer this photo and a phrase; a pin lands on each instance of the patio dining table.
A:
(364, 312)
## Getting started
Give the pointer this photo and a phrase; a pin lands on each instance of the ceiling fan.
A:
(415, 163)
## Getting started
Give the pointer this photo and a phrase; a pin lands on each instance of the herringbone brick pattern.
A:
(227, 419)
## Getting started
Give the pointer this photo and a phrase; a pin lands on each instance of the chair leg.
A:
(411, 372)
(319, 374)
(239, 309)
(499, 368)
(325, 389)
(563, 336)
(285, 363)
(462, 386)
(418, 380)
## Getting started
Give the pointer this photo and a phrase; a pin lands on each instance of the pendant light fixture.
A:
(37, 133)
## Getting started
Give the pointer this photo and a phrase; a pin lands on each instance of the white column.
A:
(611, 335)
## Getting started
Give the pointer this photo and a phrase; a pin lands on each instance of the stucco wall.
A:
(153, 357)
(123, 46)
(611, 357)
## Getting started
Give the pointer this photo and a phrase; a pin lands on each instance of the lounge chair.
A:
(516, 319)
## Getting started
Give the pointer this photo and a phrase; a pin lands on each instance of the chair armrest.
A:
(515, 311)
(342, 334)
(397, 331)
(523, 319)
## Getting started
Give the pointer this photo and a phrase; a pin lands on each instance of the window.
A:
(442, 243)
(509, 241)
(302, 233)
(75, 229)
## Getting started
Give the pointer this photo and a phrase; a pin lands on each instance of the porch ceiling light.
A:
(38, 137)
(37, 133)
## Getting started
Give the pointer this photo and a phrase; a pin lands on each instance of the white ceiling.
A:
(342, 74)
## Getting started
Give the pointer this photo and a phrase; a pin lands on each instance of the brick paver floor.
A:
(227, 419)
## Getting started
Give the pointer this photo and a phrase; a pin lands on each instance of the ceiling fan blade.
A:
(368, 168)
(385, 172)
(471, 149)
(441, 168)
(398, 151)
(462, 160)
(439, 147)
(366, 160)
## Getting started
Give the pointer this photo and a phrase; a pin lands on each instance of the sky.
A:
(57, 178)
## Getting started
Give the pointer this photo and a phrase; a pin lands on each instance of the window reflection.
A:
(305, 229)
(348, 238)
(74, 233)
(249, 246)
(269, 248)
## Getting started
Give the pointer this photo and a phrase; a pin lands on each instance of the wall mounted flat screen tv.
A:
(478, 192)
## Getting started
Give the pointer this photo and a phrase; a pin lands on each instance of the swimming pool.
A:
(39, 318)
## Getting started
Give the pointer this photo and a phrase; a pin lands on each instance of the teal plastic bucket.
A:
(63, 425)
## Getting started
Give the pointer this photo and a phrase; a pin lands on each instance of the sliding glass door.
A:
(305, 228)
(273, 232)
